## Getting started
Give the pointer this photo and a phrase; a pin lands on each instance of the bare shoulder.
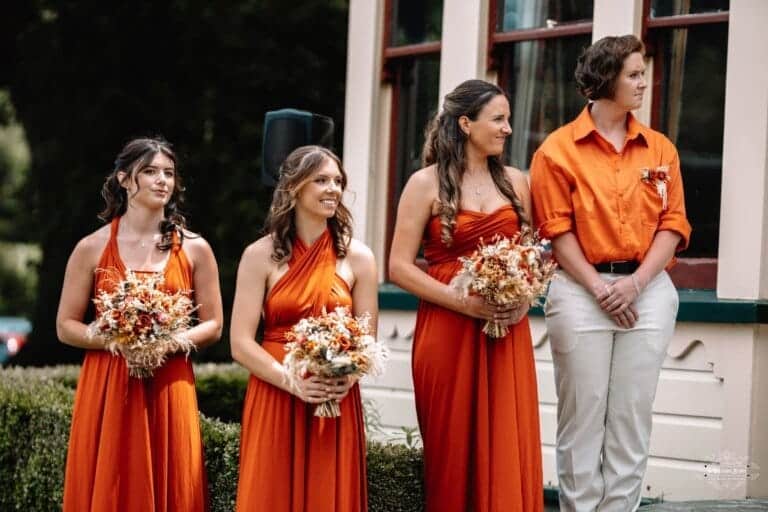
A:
(359, 252)
(195, 245)
(424, 179)
(89, 249)
(515, 175)
(259, 253)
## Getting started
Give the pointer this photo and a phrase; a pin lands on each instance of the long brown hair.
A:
(295, 171)
(444, 146)
(134, 156)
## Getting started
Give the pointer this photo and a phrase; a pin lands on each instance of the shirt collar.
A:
(584, 125)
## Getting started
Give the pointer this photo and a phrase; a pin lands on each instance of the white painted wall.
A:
(743, 250)
(707, 409)
(361, 110)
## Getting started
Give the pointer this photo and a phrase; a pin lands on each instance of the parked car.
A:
(13, 335)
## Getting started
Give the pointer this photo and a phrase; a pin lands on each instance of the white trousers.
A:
(606, 379)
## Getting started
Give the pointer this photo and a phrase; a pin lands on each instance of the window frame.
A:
(690, 272)
(393, 59)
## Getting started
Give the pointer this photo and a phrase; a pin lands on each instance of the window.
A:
(534, 46)
(412, 65)
(689, 45)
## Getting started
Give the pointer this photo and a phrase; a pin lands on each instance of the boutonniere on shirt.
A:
(657, 177)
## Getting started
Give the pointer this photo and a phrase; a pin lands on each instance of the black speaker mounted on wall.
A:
(286, 130)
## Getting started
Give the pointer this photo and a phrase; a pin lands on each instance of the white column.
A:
(464, 43)
(743, 249)
(361, 108)
(616, 18)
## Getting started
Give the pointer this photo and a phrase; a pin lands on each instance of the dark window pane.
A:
(416, 21)
(542, 91)
(416, 90)
(519, 14)
(693, 63)
(674, 7)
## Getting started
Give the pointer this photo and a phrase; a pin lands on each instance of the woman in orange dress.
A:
(476, 397)
(291, 460)
(135, 444)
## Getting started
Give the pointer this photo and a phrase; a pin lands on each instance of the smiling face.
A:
(150, 185)
(630, 83)
(320, 194)
(490, 129)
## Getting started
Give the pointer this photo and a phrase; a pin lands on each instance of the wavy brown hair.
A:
(444, 146)
(132, 159)
(295, 171)
(600, 64)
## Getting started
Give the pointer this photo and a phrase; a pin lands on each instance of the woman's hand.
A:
(618, 301)
(337, 388)
(312, 390)
(504, 315)
(315, 389)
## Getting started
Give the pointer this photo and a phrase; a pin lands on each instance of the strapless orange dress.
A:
(476, 398)
(135, 444)
(291, 460)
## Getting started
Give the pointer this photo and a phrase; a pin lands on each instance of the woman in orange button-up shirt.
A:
(608, 191)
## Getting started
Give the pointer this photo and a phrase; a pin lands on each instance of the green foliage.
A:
(394, 478)
(222, 457)
(221, 390)
(35, 415)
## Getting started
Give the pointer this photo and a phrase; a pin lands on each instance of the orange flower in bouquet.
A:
(507, 272)
(142, 322)
(334, 344)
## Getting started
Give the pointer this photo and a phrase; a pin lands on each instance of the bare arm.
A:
(365, 299)
(76, 294)
(365, 293)
(413, 213)
(250, 292)
(207, 294)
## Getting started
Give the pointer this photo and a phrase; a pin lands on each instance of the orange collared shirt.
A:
(580, 183)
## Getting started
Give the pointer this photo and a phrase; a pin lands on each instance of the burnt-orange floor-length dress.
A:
(135, 444)
(476, 398)
(291, 460)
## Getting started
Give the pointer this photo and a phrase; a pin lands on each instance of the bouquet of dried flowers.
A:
(143, 322)
(334, 344)
(507, 272)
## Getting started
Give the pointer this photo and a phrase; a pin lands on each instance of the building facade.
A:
(708, 92)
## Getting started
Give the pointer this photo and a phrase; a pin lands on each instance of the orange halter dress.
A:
(135, 444)
(291, 460)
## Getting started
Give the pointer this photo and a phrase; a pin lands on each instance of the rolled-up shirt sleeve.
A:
(673, 218)
(551, 197)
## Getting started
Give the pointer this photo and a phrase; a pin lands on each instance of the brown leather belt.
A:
(617, 267)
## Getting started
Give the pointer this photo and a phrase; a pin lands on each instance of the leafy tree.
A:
(86, 76)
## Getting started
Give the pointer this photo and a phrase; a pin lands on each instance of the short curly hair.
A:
(599, 65)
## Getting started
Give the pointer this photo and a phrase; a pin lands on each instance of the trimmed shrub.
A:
(394, 478)
(221, 390)
(36, 412)
(222, 455)
(220, 387)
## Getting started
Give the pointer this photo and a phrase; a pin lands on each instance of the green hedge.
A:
(220, 387)
(35, 414)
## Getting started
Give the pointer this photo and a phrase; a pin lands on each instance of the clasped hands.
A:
(477, 307)
(617, 299)
(315, 389)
